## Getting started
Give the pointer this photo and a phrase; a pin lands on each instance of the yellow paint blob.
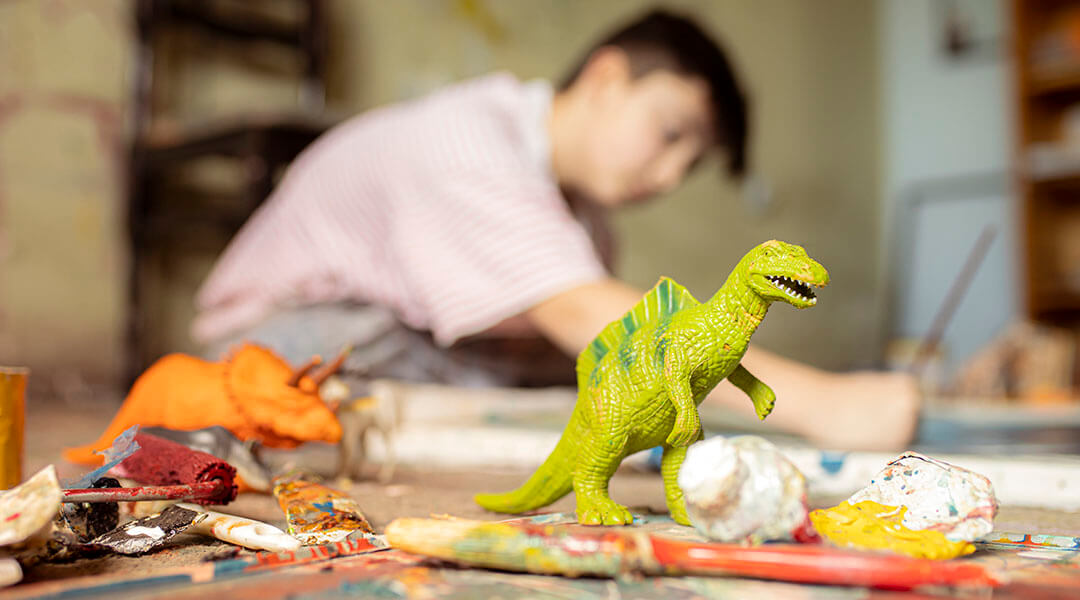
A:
(868, 525)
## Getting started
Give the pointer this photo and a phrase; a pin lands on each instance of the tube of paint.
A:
(315, 513)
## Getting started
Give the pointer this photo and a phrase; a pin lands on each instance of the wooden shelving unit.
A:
(1046, 77)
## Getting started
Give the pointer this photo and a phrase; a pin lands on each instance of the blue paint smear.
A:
(228, 567)
(110, 588)
(326, 507)
(655, 454)
(832, 462)
(122, 447)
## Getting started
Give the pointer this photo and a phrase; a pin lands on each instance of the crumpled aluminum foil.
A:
(939, 496)
(742, 489)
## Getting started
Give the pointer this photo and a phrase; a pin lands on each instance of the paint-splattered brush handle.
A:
(197, 491)
(816, 564)
(575, 551)
(525, 547)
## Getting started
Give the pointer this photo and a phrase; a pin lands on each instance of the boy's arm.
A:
(864, 410)
(572, 319)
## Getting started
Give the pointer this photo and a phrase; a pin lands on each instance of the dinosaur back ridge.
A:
(665, 299)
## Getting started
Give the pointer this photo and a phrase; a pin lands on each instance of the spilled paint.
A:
(868, 525)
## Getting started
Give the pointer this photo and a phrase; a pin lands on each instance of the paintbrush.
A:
(952, 300)
(576, 551)
(205, 491)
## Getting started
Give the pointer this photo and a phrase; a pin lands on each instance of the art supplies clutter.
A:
(572, 550)
(33, 525)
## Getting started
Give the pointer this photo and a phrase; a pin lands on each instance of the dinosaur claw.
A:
(763, 404)
(603, 511)
(590, 517)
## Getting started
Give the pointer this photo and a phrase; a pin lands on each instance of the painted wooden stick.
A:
(576, 551)
(952, 300)
(207, 490)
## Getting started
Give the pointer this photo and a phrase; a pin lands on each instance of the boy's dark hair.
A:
(664, 40)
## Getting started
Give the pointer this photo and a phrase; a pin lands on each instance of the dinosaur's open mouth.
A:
(793, 287)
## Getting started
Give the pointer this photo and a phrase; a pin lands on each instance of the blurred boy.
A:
(478, 210)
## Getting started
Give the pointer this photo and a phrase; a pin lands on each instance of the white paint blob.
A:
(742, 489)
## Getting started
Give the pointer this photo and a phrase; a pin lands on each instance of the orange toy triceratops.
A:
(253, 393)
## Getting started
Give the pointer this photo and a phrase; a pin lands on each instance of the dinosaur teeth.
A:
(796, 288)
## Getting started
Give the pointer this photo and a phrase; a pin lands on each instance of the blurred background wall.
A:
(848, 119)
(946, 140)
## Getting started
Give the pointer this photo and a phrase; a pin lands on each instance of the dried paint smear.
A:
(317, 514)
(29, 507)
(915, 498)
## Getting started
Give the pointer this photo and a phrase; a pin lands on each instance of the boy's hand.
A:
(864, 410)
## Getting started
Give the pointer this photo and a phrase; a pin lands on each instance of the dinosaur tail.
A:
(553, 480)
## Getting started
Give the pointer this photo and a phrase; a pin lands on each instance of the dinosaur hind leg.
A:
(598, 458)
(670, 464)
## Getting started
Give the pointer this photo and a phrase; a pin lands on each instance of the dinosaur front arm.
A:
(760, 394)
(687, 423)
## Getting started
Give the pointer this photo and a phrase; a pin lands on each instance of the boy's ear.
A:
(607, 65)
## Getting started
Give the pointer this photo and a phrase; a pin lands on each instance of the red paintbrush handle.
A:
(195, 491)
(815, 564)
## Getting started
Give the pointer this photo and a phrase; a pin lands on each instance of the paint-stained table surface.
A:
(203, 568)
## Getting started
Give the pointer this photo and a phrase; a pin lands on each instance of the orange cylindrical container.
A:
(12, 422)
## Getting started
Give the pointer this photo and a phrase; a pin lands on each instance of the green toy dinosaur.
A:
(641, 380)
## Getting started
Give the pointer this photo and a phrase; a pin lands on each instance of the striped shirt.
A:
(444, 209)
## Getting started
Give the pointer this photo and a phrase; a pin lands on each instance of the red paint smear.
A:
(13, 517)
(311, 554)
